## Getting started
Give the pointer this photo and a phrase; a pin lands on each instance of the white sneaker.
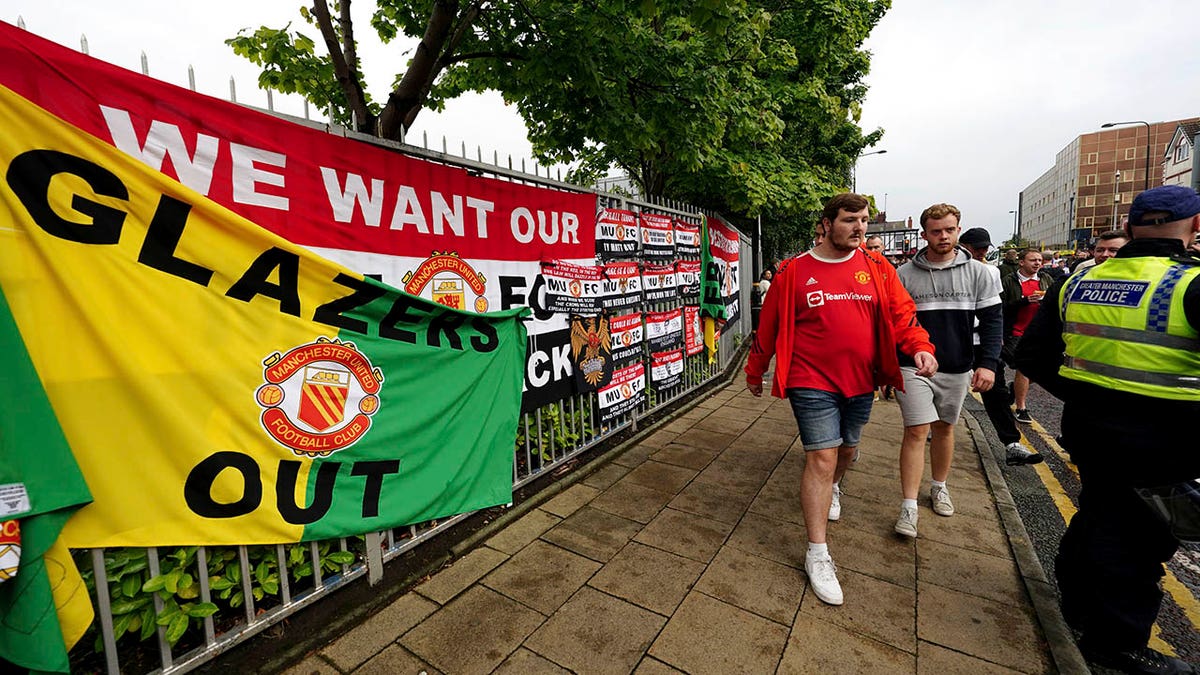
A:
(907, 523)
(822, 577)
(940, 497)
(835, 506)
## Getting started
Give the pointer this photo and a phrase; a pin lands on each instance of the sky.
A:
(975, 98)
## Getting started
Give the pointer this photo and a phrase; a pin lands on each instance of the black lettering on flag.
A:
(285, 489)
(162, 238)
(29, 176)
(398, 314)
(374, 471)
(445, 323)
(197, 489)
(256, 281)
(487, 340)
(333, 312)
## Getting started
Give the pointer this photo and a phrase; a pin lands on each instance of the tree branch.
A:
(409, 95)
(345, 69)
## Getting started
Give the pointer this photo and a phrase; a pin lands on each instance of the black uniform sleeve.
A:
(1040, 351)
(990, 337)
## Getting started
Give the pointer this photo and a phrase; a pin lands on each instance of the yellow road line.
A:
(1053, 445)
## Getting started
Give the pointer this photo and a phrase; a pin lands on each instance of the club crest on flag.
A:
(448, 277)
(318, 398)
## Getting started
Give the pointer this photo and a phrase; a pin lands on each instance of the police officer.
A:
(1119, 343)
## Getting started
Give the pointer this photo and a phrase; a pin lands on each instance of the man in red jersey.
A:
(833, 321)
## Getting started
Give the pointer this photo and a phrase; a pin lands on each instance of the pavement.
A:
(683, 551)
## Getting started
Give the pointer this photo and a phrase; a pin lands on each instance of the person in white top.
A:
(1107, 245)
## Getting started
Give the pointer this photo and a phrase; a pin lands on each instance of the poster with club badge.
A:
(621, 287)
(687, 240)
(625, 392)
(572, 289)
(687, 280)
(591, 352)
(658, 283)
(664, 330)
(627, 338)
(666, 369)
(693, 335)
(617, 234)
(658, 237)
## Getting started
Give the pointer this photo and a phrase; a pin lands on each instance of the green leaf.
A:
(126, 606)
(201, 610)
(154, 583)
(177, 627)
(121, 624)
(220, 583)
(340, 557)
(148, 623)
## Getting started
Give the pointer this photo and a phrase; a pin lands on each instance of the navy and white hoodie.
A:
(949, 297)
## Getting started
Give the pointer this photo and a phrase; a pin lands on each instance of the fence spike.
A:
(20, 22)
(523, 165)
(444, 151)
(496, 157)
(305, 108)
(83, 45)
(425, 139)
(270, 100)
(232, 90)
(464, 149)
(191, 77)
(510, 162)
(479, 154)
(145, 64)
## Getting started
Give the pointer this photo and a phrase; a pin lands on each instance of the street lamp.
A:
(1014, 236)
(1106, 125)
(1116, 197)
(854, 169)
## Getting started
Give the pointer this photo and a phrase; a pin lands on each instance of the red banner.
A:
(693, 340)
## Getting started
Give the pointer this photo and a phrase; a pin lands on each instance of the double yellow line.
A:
(1171, 584)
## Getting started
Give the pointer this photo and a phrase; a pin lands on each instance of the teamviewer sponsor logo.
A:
(816, 298)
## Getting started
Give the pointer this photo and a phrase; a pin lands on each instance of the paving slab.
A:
(936, 660)
(542, 576)
(519, 534)
(525, 662)
(637, 454)
(630, 500)
(764, 587)
(705, 440)
(660, 476)
(463, 572)
(874, 608)
(682, 455)
(733, 476)
(597, 633)
(313, 665)
(877, 551)
(983, 628)
(970, 571)
(706, 635)
(773, 539)
(815, 647)
(593, 533)
(685, 534)
(474, 633)
(570, 500)
(979, 534)
(651, 666)
(605, 476)
(398, 661)
(659, 439)
(372, 636)
(712, 501)
(648, 577)
(725, 425)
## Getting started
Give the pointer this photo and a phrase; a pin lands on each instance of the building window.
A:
(1130, 153)
(1089, 200)
(1088, 221)
(1182, 151)
(1091, 178)
(1093, 157)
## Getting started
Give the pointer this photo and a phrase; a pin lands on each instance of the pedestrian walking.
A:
(996, 400)
(1022, 291)
(833, 322)
(951, 291)
(1120, 345)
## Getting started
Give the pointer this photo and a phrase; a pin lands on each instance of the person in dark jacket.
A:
(1120, 345)
(1022, 292)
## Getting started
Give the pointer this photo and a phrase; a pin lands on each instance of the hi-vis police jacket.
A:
(1125, 328)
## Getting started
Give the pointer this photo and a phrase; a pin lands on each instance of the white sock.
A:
(904, 504)
(938, 483)
(818, 551)
(837, 487)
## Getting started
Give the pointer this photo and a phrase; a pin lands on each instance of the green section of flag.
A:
(712, 305)
(35, 454)
(442, 440)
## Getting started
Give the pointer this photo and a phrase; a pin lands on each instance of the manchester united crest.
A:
(318, 398)
(862, 277)
(451, 280)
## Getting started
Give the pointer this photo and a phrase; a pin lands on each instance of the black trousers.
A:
(999, 407)
(1109, 564)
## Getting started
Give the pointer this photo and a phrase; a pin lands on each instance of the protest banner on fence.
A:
(658, 283)
(626, 392)
(622, 286)
(617, 234)
(666, 369)
(658, 237)
(687, 240)
(627, 338)
(664, 330)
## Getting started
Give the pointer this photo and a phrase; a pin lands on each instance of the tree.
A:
(748, 107)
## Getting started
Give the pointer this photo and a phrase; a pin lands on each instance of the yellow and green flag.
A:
(217, 384)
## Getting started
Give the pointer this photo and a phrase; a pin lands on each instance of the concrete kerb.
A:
(1041, 591)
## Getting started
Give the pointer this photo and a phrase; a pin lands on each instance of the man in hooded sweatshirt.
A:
(951, 290)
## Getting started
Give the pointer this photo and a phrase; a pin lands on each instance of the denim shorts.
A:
(829, 420)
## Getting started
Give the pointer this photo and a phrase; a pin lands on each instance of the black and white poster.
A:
(626, 392)
(666, 369)
(658, 283)
(617, 234)
(687, 280)
(627, 338)
(621, 287)
(658, 237)
(664, 330)
(687, 240)
(572, 289)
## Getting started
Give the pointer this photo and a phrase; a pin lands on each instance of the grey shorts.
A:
(932, 399)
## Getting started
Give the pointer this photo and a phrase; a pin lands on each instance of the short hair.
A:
(940, 211)
(1112, 234)
(873, 236)
(847, 201)
(1026, 251)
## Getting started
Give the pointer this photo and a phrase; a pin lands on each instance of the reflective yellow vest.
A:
(1125, 328)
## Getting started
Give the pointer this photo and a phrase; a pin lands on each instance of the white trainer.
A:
(822, 577)
(940, 497)
(835, 506)
(907, 523)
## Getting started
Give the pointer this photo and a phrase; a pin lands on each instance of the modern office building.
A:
(1092, 182)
